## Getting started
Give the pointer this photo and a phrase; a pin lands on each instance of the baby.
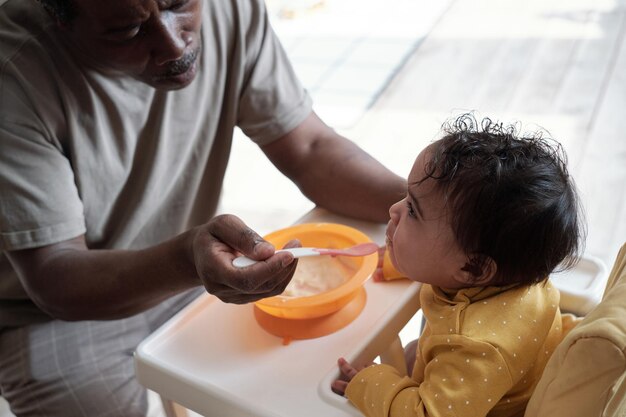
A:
(487, 217)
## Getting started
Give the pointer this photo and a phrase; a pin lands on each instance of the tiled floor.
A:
(347, 51)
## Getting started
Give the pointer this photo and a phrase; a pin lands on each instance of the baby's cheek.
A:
(390, 269)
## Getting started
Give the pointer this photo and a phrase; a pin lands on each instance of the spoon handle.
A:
(243, 261)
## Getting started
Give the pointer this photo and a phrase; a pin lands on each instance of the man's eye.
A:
(126, 35)
(409, 206)
(132, 34)
(177, 5)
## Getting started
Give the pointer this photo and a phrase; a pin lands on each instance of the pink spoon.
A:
(361, 249)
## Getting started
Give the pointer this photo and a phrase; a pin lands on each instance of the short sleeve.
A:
(39, 202)
(273, 101)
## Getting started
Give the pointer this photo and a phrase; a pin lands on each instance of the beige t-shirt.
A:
(115, 159)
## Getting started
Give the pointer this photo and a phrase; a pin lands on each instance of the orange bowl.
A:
(356, 269)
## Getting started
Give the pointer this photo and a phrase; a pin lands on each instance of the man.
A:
(116, 120)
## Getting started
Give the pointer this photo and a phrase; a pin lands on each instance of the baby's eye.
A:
(409, 206)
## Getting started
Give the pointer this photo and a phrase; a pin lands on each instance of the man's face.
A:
(155, 41)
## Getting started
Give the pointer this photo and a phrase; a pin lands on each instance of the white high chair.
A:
(586, 375)
(193, 359)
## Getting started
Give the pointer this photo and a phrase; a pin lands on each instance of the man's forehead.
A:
(114, 12)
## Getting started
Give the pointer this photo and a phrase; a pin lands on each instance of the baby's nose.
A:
(394, 212)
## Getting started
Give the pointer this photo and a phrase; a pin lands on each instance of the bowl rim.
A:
(364, 272)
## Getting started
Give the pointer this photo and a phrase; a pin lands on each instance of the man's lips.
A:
(180, 66)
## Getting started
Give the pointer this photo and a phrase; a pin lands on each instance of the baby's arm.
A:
(464, 377)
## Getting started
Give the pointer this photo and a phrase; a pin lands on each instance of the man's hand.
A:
(70, 281)
(347, 372)
(221, 240)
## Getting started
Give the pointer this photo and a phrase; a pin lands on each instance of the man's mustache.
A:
(181, 65)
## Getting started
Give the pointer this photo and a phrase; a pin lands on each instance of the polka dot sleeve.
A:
(461, 379)
(375, 388)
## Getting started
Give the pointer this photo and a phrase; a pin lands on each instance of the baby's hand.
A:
(347, 372)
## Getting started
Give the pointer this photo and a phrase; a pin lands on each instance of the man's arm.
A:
(334, 172)
(71, 282)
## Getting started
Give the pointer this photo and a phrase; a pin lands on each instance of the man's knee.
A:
(73, 369)
(98, 398)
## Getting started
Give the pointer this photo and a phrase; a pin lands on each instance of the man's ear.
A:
(478, 271)
(54, 15)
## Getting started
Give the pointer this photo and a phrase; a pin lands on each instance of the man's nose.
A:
(169, 43)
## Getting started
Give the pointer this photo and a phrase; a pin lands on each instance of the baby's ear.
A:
(478, 271)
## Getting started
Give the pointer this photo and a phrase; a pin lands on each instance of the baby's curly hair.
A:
(509, 197)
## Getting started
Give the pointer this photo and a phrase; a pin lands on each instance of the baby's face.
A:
(420, 240)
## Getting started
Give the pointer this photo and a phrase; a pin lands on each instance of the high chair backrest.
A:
(586, 375)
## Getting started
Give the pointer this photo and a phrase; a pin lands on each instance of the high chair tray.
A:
(215, 359)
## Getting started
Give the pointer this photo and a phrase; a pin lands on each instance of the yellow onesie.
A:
(482, 351)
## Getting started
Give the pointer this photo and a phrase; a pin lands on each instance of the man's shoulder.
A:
(21, 21)
(229, 14)
(32, 61)
(26, 34)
